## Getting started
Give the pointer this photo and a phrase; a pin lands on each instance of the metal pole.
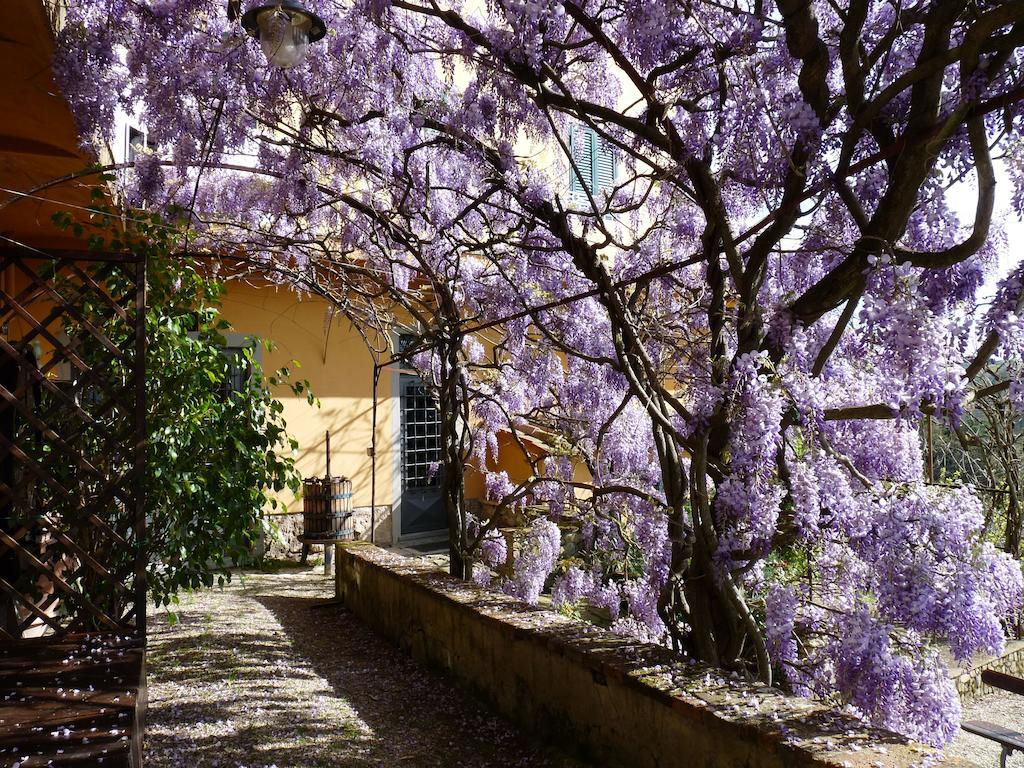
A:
(373, 459)
(931, 452)
(328, 454)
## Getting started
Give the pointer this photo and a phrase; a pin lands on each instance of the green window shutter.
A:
(595, 161)
(604, 167)
(581, 146)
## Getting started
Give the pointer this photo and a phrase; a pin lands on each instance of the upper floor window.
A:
(406, 340)
(595, 161)
(135, 142)
(240, 352)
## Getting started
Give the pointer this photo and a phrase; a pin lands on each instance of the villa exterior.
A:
(335, 360)
(331, 354)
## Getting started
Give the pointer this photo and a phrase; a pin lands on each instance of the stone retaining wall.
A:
(614, 701)
(968, 681)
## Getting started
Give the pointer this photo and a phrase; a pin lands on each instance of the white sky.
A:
(964, 199)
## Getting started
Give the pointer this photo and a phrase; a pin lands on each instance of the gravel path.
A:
(1004, 709)
(251, 676)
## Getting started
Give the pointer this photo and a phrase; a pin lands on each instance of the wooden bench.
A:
(1009, 740)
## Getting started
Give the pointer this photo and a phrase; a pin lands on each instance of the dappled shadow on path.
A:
(254, 676)
(417, 713)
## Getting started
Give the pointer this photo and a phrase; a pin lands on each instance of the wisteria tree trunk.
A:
(454, 419)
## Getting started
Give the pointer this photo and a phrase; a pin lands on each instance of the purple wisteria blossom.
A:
(537, 557)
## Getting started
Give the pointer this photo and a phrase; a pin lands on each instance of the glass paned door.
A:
(422, 508)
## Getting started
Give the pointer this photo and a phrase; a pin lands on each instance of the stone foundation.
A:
(290, 526)
(361, 524)
(614, 701)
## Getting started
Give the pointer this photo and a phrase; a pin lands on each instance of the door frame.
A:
(426, 537)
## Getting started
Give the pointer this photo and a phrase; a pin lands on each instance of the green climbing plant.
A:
(218, 450)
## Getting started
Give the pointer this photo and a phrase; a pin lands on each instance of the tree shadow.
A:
(310, 687)
(400, 699)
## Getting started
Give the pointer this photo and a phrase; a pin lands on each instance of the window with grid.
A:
(239, 370)
(421, 437)
(594, 160)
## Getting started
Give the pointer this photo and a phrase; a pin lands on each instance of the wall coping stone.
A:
(780, 730)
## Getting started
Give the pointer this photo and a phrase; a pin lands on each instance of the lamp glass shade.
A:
(284, 37)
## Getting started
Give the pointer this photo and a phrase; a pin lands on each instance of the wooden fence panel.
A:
(72, 443)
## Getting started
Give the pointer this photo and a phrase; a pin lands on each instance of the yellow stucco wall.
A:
(335, 361)
(510, 459)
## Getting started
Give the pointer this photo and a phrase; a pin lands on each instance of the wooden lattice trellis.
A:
(72, 443)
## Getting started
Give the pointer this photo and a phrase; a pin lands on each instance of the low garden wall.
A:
(613, 701)
(968, 681)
